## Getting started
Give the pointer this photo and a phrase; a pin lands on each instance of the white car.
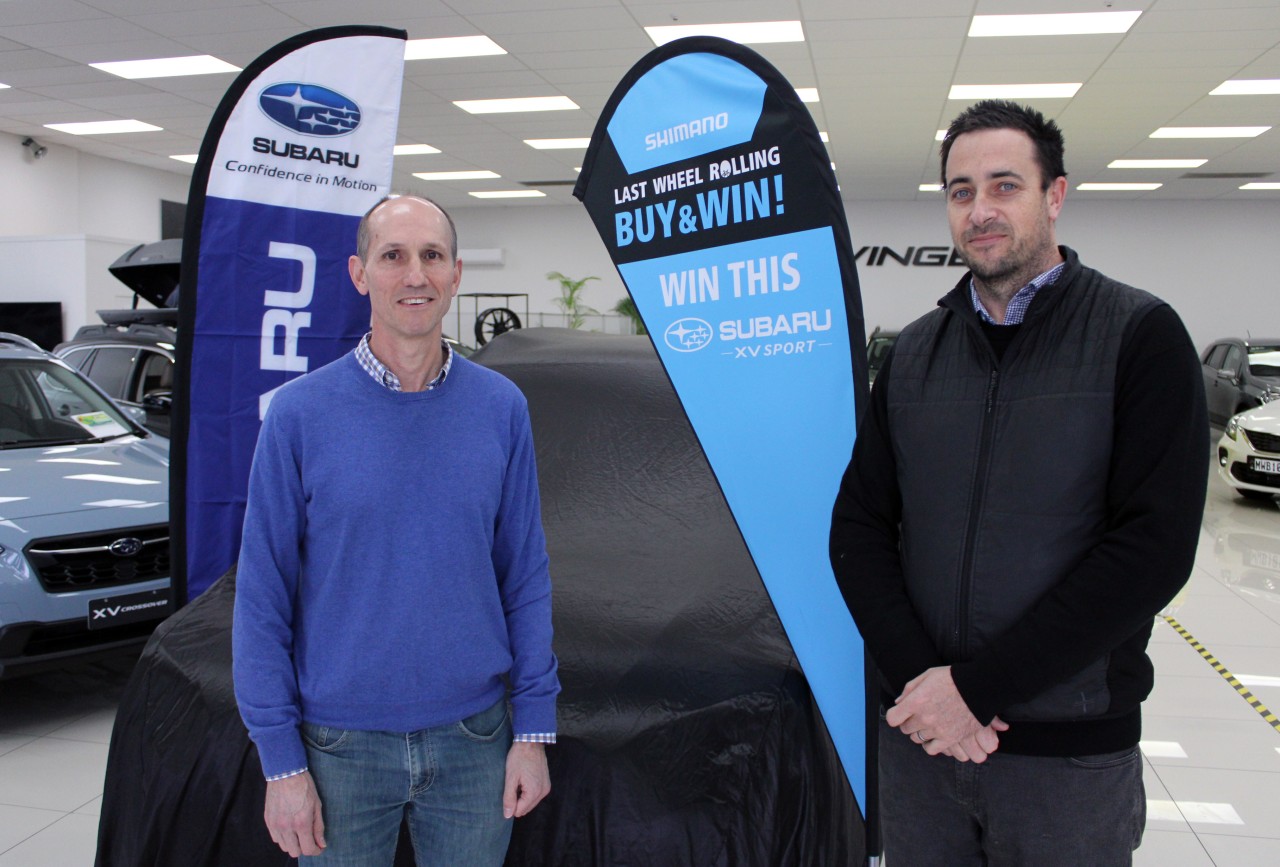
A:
(1249, 452)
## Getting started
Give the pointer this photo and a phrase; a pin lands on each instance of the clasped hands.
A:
(933, 714)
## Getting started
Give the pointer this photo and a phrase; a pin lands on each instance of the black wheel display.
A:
(494, 321)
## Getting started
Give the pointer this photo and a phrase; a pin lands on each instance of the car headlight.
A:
(1233, 427)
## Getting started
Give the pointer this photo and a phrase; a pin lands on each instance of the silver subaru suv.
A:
(84, 516)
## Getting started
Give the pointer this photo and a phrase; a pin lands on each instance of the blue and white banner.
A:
(300, 147)
(709, 184)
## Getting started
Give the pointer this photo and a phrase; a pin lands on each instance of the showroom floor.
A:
(1212, 760)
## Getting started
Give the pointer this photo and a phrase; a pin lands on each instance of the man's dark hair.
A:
(1003, 114)
(362, 233)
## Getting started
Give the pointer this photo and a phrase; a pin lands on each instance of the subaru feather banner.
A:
(299, 148)
(711, 188)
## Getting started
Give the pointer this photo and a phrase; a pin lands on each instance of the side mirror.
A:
(158, 401)
(1227, 374)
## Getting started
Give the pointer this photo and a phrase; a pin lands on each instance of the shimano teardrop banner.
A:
(299, 148)
(709, 183)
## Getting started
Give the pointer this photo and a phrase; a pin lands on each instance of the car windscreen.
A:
(1264, 361)
(44, 403)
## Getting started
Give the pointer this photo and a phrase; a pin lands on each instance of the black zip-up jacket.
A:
(1022, 500)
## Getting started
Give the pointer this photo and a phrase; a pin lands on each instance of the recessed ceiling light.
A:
(1261, 186)
(1247, 87)
(103, 127)
(1014, 91)
(1118, 187)
(1156, 164)
(930, 188)
(1209, 131)
(528, 103)
(1061, 24)
(455, 176)
(509, 194)
(408, 150)
(185, 158)
(166, 67)
(746, 33)
(807, 94)
(554, 144)
(451, 46)
(822, 134)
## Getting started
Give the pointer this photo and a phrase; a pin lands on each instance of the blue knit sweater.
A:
(393, 569)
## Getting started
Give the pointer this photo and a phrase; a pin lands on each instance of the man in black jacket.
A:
(1024, 496)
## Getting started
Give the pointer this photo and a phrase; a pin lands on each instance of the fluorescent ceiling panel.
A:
(1064, 24)
(746, 33)
(455, 176)
(557, 144)
(407, 150)
(822, 134)
(1014, 91)
(1209, 131)
(451, 46)
(1099, 188)
(1247, 87)
(808, 94)
(1261, 186)
(3, 86)
(166, 67)
(527, 103)
(1156, 164)
(103, 127)
(510, 194)
(940, 135)
(185, 158)
(930, 188)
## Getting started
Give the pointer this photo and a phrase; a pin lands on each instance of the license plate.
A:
(1264, 465)
(1265, 560)
(129, 608)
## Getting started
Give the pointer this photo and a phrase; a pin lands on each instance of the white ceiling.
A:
(883, 69)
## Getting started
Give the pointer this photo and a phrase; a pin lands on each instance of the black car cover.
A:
(687, 732)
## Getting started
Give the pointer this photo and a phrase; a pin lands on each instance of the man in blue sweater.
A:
(393, 604)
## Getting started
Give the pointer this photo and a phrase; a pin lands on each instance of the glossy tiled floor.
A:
(1212, 761)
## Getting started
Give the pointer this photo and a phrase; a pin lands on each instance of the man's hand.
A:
(933, 714)
(528, 780)
(293, 815)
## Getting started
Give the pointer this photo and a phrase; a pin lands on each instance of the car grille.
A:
(85, 561)
(1264, 442)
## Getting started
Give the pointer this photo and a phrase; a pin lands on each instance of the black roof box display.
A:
(152, 271)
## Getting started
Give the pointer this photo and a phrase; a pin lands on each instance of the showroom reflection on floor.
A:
(1212, 762)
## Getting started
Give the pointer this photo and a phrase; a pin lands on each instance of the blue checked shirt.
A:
(1018, 304)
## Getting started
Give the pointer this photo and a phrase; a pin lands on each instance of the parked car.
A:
(84, 516)
(130, 357)
(878, 346)
(1249, 452)
(1239, 375)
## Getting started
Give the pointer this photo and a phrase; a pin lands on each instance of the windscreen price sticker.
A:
(131, 608)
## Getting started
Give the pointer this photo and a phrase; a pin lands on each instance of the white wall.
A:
(1213, 261)
(69, 215)
(1210, 260)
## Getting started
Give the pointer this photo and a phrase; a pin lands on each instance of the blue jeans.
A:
(1010, 810)
(447, 781)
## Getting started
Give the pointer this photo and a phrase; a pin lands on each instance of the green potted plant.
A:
(627, 307)
(570, 300)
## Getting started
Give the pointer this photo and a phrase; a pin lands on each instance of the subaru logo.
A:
(309, 109)
(126, 547)
(688, 335)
